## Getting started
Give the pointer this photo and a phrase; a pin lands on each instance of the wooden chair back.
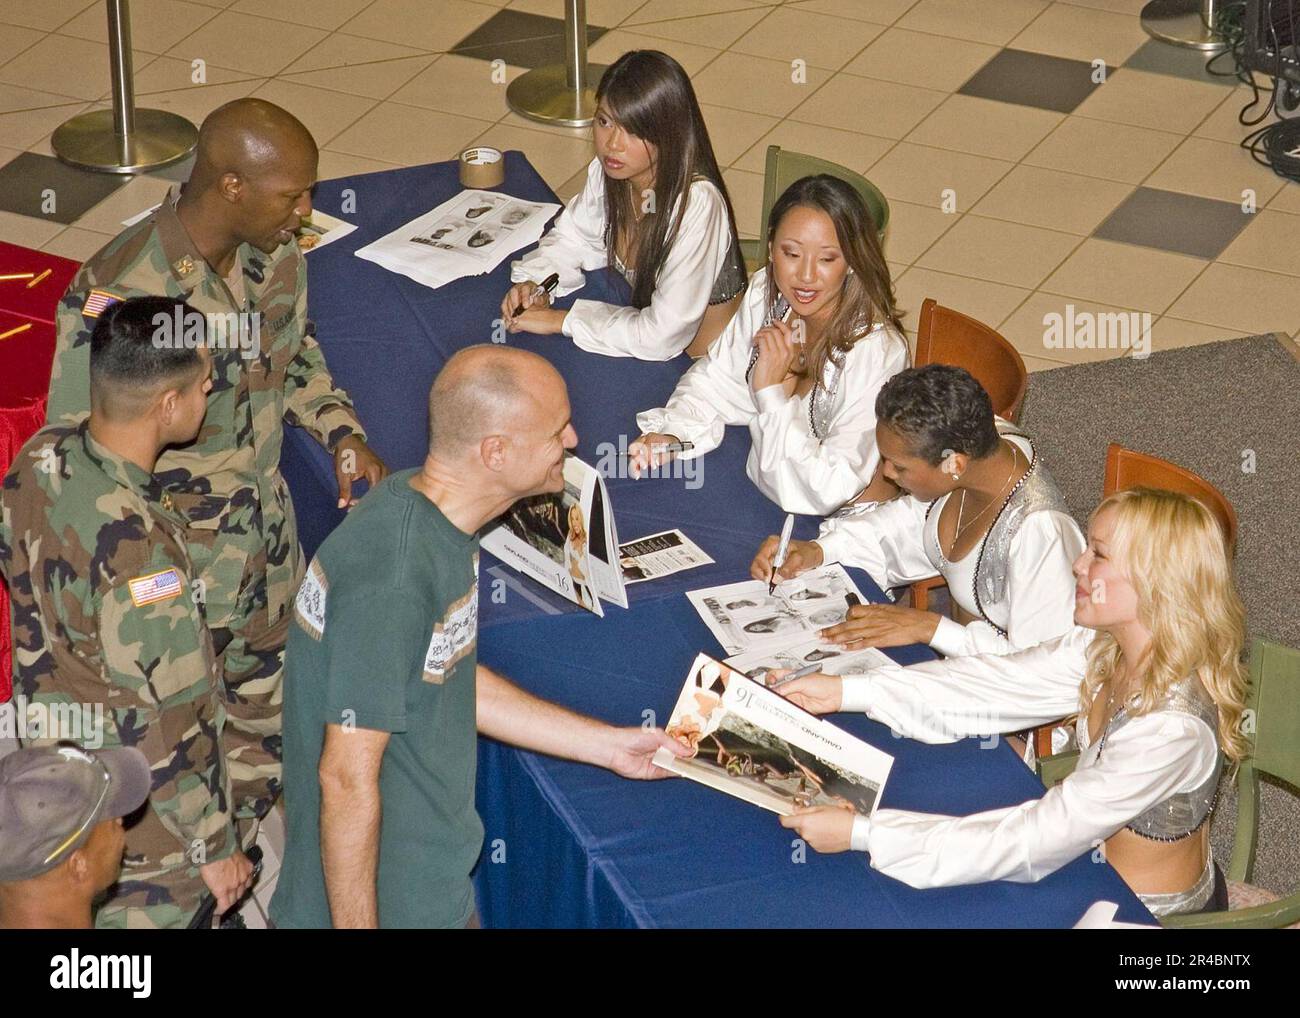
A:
(945, 336)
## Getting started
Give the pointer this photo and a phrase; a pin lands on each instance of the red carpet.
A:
(26, 351)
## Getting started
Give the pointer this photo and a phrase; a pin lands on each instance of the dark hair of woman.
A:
(939, 408)
(649, 95)
(868, 293)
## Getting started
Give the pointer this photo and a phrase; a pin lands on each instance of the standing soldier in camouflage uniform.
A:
(225, 243)
(105, 622)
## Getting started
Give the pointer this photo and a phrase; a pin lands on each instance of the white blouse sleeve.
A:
(576, 241)
(943, 701)
(805, 474)
(681, 294)
(1143, 763)
(714, 391)
(887, 542)
(1040, 589)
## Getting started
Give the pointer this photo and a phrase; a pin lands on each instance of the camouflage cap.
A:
(51, 798)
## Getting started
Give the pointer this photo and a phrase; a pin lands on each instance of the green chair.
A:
(1273, 703)
(1054, 769)
(783, 169)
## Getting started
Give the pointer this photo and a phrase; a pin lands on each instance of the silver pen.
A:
(798, 673)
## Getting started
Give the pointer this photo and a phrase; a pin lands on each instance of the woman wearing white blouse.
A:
(655, 207)
(802, 361)
(1161, 696)
(978, 508)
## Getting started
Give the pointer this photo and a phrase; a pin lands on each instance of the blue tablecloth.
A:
(572, 845)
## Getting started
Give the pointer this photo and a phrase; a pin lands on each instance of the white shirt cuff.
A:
(855, 693)
(832, 546)
(949, 637)
(860, 838)
(770, 398)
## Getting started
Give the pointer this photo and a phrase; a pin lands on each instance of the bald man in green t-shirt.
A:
(383, 693)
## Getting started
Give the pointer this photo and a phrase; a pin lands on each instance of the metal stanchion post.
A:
(560, 95)
(123, 139)
(1184, 23)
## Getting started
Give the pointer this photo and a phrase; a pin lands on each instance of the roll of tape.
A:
(482, 167)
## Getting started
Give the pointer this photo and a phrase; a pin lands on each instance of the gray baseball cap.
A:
(51, 798)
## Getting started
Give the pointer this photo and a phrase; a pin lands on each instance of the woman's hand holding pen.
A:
(522, 294)
(537, 316)
(777, 355)
(800, 556)
(539, 321)
(817, 694)
(651, 451)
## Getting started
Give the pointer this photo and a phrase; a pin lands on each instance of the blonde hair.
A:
(577, 525)
(1172, 550)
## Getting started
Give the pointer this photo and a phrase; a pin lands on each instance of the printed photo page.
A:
(656, 555)
(566, 541)
(744, 616)
(829, 658)
(467, 235)
(750, 742)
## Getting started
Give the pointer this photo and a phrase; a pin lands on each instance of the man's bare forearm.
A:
(516, 716)
(349, 845)
(350, 813)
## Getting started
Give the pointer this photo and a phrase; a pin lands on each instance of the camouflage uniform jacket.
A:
(103, 613)
(228, 480)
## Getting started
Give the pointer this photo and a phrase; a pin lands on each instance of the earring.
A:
(956, 477)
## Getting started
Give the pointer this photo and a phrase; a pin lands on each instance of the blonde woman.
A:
(1160, 699)
(575, 554)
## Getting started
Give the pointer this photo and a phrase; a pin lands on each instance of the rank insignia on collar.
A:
(167, 502)
(99, 301)
(184, 266)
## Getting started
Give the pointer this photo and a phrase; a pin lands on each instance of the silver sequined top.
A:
(1034, 492)
(1183, 813)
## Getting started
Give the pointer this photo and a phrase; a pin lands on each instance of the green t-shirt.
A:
(384, 637)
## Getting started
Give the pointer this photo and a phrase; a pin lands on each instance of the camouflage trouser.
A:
(159, 886)
(160, 900)
(160, 897)
(251, 653)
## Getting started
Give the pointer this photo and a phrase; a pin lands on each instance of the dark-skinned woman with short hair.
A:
(978, 508)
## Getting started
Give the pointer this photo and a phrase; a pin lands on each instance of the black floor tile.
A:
(32, 182)
(1181, 62)
(1171, 221)
(1033, 79)
(520, 39)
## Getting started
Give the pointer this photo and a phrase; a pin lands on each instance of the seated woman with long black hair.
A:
(978, 508)
(654, 207)
(1161, 698)
(814, 340)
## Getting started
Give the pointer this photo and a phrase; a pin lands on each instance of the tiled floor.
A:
(1035, 154)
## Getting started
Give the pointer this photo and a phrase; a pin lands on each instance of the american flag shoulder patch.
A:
(155, 587)
(97, 302)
